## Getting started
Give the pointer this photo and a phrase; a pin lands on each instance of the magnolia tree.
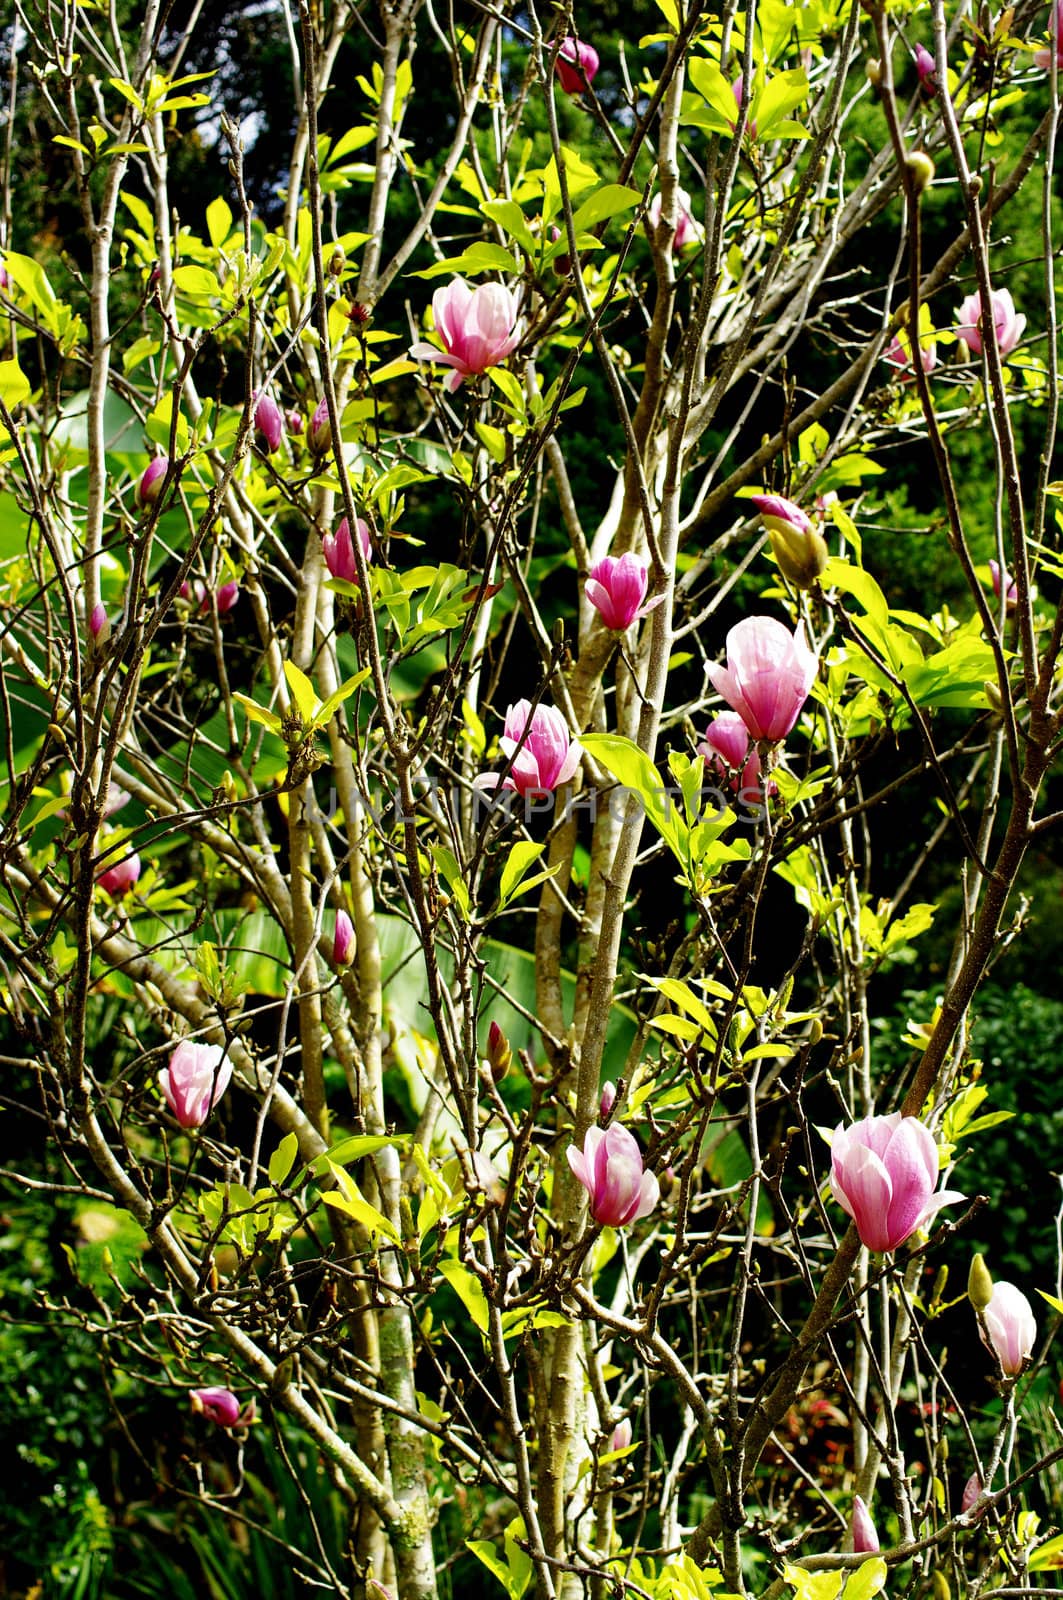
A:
(437, 903)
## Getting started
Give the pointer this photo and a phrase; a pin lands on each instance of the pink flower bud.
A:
(5, 281)
(343, 941)
(621, 1435)
(545, 760)
(1009, 325)
(687, 231)
(607, 1102)
(338, 550)
(884, 1171)
(218, 1405)
(730, 754)
(119, 879)
(972, 1493)
(150, 486)
(99, 625)
(616, 589)
(610, 1169)
(799, 547)
(478, 328)
(865, 1538)
(226, 597)
(897, 355)
(738, 90)
(1008, 1327)
(576, 65)
(768, 675)
(195, 1080)
(319, 434)
(296, 422)
(1011, 594)
(269, 423)
(926, 67)
(499, 1055)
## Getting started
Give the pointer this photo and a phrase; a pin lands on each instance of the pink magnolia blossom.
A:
(610, 1169)
(5, 280)
(499, 1054)
(621, 1435)
(926, 67)
(1011, 594)
(343, 940)
(478, 328)
(1043, 58)
(225, 596)
(972, 1493)
(269, 422)
(119, 879)
(195, 1080)
(730, 753)
(865, 1536)
(768, 675)
(781, 515)
(687, 231)
(897, 356)
(616, 589)
(576, 65)
(296, 421)
(545, 760)
(1008, 1327)
(338, 549)
(150, 486)
(607, 1101)
(319, 434)
(221, 1406)
(884, 1171)
(99, 625)
(1009, 325)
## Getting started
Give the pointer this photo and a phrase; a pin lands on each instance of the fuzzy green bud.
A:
(979, 1284)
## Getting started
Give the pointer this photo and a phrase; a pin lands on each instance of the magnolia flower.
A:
(150, 486)
(607, 1101)
(269, 422)
(319, 434)
(576, 65)
(195, 1080)
(687, 231)
(119, 879)
(1043, 58)
(222, 1406)
(616, 589)
(768, 675)
(972, 1493)
(225, 596)
(545, 759)
(499, 1054)
(1008, 323)
(797, 543)
(343, 941)
(865, 1538)
(1008, 1328)
(339, 549)
(478, 328)
(1005, 579)
(897, 356)
(99, 625)
(296, 421)
(610, 1169)
(621, 1435)
(729, 752)
(884, 1171)
(926, 67)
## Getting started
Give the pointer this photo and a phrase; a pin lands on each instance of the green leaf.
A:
(197, 282)
(509, 216)
(868, 1579)
(1057, 1305)
(302, 692)
(29, 276)
(609, 201)
(780, 95)
(219, 222)
(283, 1159)
(356, 1148)
(351, 1200)
(257, 713)
(140, 350)
(633, 769)
(520, 858)
(328, 708)
(503, 379)
(14, 385)
(493, 441)
(479, 257)
(469, 1290)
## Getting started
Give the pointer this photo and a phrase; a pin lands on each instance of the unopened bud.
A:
(873, 71)
(921, 168)
(815, 1031)
(801, 556)
(972, 1493)
(940, 1585)
(607, 1102)
(499, 1055)
(337, 262)
(979, 1284)
(992, 694)
(99, 626)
